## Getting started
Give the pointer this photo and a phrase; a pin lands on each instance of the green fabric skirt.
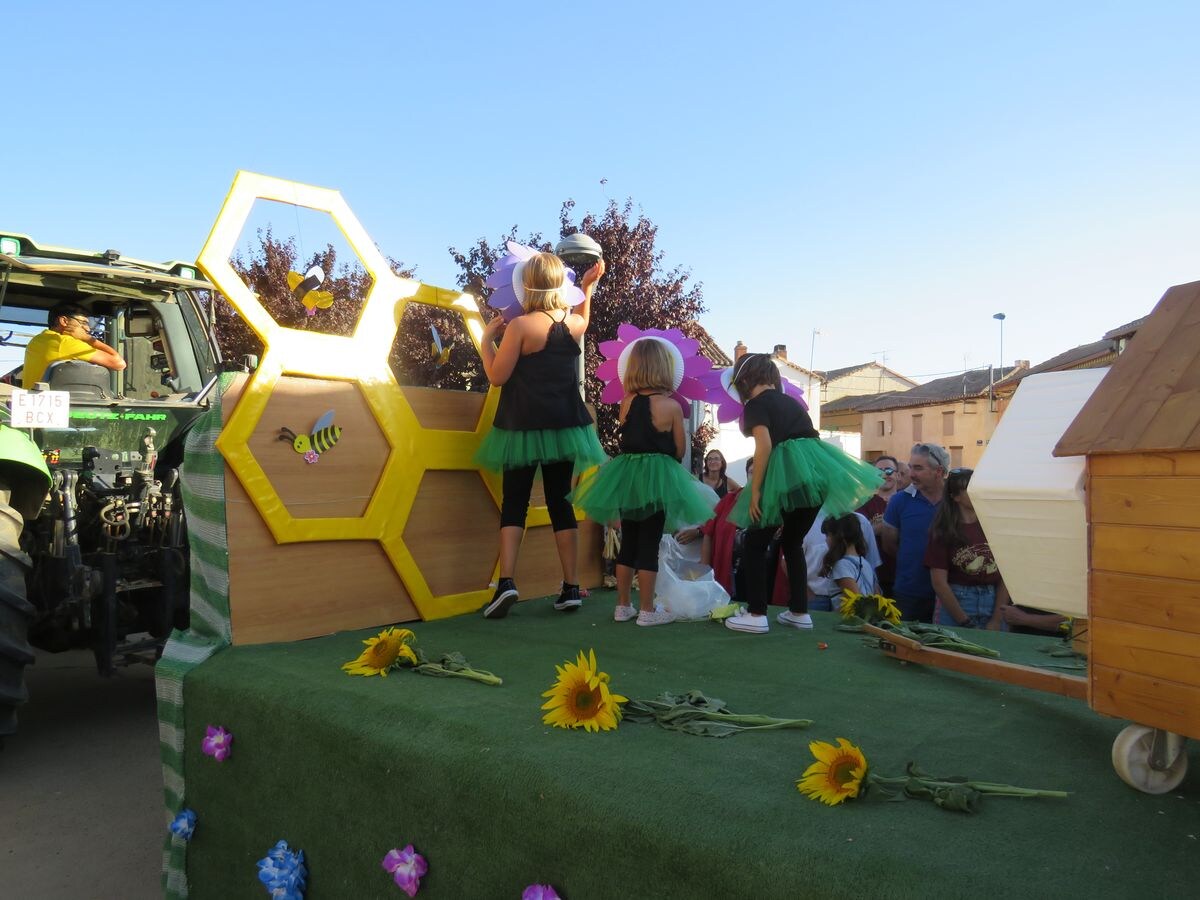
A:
(807, 472)
(502, 449)
(639, 485)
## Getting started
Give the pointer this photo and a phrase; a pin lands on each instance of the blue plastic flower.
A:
(184, 824)
(283, 873)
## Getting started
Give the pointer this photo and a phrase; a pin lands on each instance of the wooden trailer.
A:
(1140, 433)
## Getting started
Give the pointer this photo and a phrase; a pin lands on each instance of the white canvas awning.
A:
(1031, 504)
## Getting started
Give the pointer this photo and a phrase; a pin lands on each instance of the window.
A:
(881, 431)
(955, 457)
(969, 408)
(947, 423)
(917, 436)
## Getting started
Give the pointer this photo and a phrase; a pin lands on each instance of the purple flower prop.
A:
(283, 872)
(723, 395)
(508, 285)
(184, 824)
(690, 368)
(311, 456)
(406, 868)
(217, 743)
(540, 892)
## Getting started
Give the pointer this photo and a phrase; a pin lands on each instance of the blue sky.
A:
(890, 174)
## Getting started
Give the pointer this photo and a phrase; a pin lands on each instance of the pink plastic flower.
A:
(690, 367)
(311, 456)
(540, 892)
(217, 743)
(406, 867)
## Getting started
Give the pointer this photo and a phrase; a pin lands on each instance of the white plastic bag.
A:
(685, 587)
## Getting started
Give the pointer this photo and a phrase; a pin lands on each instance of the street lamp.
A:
(1001, 317)
(812, 350)
(580, 252)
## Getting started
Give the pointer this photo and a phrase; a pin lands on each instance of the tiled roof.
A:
(835, 374)
(1126, 330)
(708, 346)
(1084, 356)
(973, 383)
(852, 402)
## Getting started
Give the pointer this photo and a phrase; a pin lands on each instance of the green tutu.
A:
(807, 472)
(638, 485)
(503, 449)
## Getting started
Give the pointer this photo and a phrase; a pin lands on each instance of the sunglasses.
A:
(888, 470)
(962, 471)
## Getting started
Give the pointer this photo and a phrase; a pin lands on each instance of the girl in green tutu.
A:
(795, 474)
(541, 419)
(645, 486)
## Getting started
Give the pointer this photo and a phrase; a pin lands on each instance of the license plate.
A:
(41, 409)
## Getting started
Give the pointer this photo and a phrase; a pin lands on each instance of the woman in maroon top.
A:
(970, 591)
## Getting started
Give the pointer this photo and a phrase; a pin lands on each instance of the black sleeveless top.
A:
(638, 434)
(543, 390)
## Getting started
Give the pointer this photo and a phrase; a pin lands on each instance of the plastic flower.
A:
(837, 775)
(724, 396)
(311, 456)
(184, 824)
(540, 892)
(406, 868)
(580, 697)
(690, 367)
(382, 652)
(508, 282)
(217, 743)
(283, 873)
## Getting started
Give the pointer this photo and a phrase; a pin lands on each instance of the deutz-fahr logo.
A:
(121, 415)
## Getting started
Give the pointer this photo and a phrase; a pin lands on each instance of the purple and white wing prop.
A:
(724, 396)
(507, 282)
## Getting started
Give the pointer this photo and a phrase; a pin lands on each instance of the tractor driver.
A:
(67, 337)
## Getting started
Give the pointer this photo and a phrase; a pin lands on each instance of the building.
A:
(869, 378)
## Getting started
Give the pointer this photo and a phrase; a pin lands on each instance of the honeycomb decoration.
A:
(411, 450)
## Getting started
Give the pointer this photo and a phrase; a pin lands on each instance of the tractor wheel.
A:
(16, 612)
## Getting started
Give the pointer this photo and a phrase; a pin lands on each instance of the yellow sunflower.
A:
(837, 774)
(580, 697)
(849, 605)
(889, 610)
(382, 652)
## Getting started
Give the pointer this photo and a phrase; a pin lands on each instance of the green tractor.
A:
(93, 545)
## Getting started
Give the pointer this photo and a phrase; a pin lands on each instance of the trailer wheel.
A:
(1131, 754)
(16, 612)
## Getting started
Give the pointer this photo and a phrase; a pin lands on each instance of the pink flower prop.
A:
(691, 369)
(723, 395)
(540, 892)
(217, 743)
(406, 868)
(311, 456)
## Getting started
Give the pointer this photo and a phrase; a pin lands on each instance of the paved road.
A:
(80, 786)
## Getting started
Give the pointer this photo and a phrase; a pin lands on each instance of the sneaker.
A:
(624, 613)
(568, 599)
(610, 581)
(502, 602)
(796, 620)
(749, 623)
(658, 616)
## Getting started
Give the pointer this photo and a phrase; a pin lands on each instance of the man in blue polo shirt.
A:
(905, 532)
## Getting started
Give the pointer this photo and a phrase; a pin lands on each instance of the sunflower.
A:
(889, 610)
(837, 774)
(382, 652)
(580, 697)
(869, 607)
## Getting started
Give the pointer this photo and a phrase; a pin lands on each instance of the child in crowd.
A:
(846, 562)
(795, 474)
(969, 588)
(645, 486)
(541, 419)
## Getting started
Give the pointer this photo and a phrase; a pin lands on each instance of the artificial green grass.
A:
(346, 768)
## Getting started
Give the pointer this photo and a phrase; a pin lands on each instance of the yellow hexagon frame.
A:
(362, 358)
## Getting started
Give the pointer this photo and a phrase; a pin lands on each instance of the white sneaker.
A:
(624, 613)
(796, 620)
(658, 617)
(749, 623)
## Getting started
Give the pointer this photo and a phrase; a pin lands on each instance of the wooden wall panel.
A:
(445, 410)
(452, 532)
(1157, 602)
(1146, 700)
(1155, 652)
(1141, 550)
(1154, 464)
(539, 573)
(1143, 500)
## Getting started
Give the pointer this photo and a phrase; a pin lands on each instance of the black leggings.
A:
(639, 542)
(796, 523)
(556, 483)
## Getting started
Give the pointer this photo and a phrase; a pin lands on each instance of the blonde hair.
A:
(650, 368)
(544, 275)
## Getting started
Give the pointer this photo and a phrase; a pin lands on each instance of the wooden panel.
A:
(1146, 700)
(445, 410)
(1142, 550)
(451, 532)
(1155, 652)
(539, 572)
(287, 592)
(1173, 502)
(1184, 463)
(1156, 602)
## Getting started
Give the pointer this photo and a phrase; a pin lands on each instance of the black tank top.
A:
(543, 390)
(638, 434)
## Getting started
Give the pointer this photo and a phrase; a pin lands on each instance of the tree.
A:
(635, 288)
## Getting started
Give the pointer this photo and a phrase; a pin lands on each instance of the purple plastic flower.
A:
(311, 456)
(184, 824)
(723, 395)
(540, 892)
(690, 368)
(217, 743)
(283, 872)
(508, 285)
(406, 868)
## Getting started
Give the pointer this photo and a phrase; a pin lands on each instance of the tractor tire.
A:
(16, 612)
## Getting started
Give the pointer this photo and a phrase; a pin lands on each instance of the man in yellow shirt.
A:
(67, 337)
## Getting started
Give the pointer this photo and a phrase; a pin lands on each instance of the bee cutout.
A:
(324, 437)
(304, 288)
(441, 355)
